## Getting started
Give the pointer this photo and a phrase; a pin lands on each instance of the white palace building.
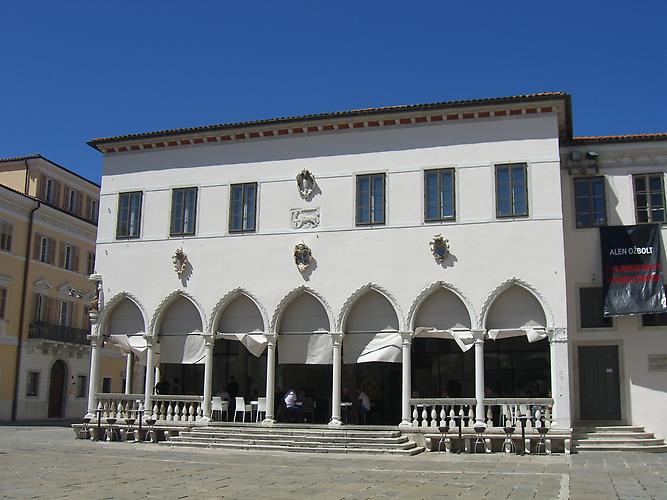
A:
(443, 259)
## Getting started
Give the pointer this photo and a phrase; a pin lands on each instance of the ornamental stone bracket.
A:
(557, 335)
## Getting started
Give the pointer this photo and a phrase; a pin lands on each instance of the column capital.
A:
(271, 338)
(96, 340)
(557, 335)
(336, 338)
(209, 339)
(478, 335)
(150, 339)
(407, 337)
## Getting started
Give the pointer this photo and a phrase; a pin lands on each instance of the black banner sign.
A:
(633, 281)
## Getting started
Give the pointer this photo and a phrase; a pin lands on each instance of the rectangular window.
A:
(90, 263)
(183, 211)
(81, 386)
(439, 195)
(40, 308)
(129, 215)
(72, 201)
(50, 191)
(65, 314)
(591, 307)
(45, 249)
(106, 385)
(657, 319)
(649, 198)
(6, 231)
(511, 190)
(243, 208)
(68, 256)
(589, 202)
(92, 213)
(3, 302)
(32, 385)
(370, 199)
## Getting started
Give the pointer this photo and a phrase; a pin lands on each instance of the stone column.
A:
(269, 418)
(129, 372)
(560, 378)
(150, 374)
(96, 343)
(337, 339)
(208, 376)
(479, 376)
(406, 387)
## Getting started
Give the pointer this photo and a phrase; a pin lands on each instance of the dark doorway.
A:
(57, 383)
(599, 383)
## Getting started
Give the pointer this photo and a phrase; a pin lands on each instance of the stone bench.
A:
(164, 430)
(494, 438)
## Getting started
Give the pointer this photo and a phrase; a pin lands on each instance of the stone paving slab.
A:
(46, 462)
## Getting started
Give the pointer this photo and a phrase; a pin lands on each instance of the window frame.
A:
(656, 316)
(129, 235)
(32, 382)
(182, 232)
(590, 212)
(90, 263)
(72, 201)
(244, 216)
(4, 294)
(50, 195)
(441, 217)
(92, 215)
(524, 166)
(602, 326)
(6, 235)
(104, 382)
(371, 210)
(81, 386)
(647, 193)
(44, 249)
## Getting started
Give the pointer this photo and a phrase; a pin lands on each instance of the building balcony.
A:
(57, 333)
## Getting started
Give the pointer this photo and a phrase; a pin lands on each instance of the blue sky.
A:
(74, 70)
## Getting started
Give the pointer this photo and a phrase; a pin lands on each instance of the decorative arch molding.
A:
(228, 299)
(287, 299)
(105, 314)
(164, 305)
(352, 299)
(490, 299)
(426, 293)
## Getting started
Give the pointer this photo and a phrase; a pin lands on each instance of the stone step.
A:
(374, 451)
(300, 432)
(584, 447)
(314, 444)
(291, 437)
(635, 442)
(614, 435)
(608, 428)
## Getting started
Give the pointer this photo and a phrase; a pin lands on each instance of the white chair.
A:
(242, 407)
(261, 407)
(218, 405)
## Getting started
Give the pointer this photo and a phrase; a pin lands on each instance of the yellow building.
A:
(48, 226)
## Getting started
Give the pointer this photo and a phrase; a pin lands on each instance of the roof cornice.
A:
(391, 116)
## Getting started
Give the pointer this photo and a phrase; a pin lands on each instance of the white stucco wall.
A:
(643, 393)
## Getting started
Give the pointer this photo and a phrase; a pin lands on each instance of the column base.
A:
(335, 423)
(268, 422)
(405, 424)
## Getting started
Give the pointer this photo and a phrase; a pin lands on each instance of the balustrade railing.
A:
(119, 406)
(172, 408)
(503, 412)
(58, 333)
(439, 412)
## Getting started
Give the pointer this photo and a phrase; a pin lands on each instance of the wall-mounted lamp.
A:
(592, 155)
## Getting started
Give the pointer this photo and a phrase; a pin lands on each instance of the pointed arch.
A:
(227, 300)
(361, 291)
(506, 285)
(291, 296)
(113, 303)
(163, 307)
(428, 292)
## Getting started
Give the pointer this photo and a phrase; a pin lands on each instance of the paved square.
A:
(47, 462)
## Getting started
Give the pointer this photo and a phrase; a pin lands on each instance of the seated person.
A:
(291, 407)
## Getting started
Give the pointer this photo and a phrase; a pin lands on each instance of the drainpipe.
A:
(27, 176)
(24, 293)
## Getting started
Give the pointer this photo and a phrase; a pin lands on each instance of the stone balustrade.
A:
(173, 408)
(501, 412)
(438, 412)
(119, 406)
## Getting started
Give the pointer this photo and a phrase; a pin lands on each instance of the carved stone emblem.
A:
(304, 218)
(180, 261)
(305, 181)
(302, 256)
(439, 248)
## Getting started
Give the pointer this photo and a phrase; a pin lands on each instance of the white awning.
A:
(463, 337)
(369, 347)
(130, 343)
(305, 349)
(532, 334)
(254, 341)
(183, 349)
